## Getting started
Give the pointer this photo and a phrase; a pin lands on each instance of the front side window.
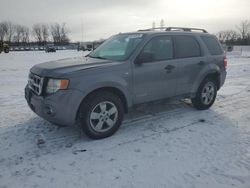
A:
(187, 46)
(159, 49)
(118, 48)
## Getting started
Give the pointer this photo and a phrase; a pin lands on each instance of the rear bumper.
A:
(60, 108)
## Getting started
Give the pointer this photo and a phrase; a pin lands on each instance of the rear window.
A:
(212, 45)
(187, 46)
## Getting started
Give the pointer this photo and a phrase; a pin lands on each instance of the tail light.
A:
(225, 62)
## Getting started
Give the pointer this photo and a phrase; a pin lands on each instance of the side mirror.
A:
(144, 57)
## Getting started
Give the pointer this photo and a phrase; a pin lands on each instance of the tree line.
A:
(42, 33)
(239, 36)
(39, 33)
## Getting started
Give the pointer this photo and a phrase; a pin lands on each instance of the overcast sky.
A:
(102, 18)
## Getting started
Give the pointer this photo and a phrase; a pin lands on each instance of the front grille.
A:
(35, 83)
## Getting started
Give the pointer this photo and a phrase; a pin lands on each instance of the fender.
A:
(210, 69)
(114, 85)
(119, 84)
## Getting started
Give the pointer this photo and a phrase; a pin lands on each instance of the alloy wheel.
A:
(103, 116)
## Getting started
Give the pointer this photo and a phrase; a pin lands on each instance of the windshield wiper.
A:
(97, 57)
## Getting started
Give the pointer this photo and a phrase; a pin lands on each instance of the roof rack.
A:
(185, 29)
(175, 29)
(152, 29)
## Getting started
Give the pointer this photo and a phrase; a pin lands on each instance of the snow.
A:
(164, 144)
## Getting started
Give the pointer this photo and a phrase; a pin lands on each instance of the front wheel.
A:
(6, 50)
(102, 115)
(205, 95)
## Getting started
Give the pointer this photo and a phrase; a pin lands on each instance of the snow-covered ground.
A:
(168, 144)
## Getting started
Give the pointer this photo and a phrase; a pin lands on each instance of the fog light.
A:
(49, 111)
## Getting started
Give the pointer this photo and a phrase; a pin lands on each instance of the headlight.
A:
(56, 84)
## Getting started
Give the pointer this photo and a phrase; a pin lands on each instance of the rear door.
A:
(215, 50)
(191, 61)
(155, 79)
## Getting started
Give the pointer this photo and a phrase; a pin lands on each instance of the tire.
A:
(205, 95)
(101, 115)
(6, 50)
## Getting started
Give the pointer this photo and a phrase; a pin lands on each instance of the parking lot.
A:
(163, 144)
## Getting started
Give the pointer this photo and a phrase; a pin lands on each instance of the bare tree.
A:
(59, 33)
(21, 34)
(244, 29)
(55, 32)
(45, 32)
(25, 34)
(227, 36)
(10, 32)
(221, 36)
(37, 32)
(3, 30)
(18, 33)
(64, 33)
(41, 32)
(233, 35)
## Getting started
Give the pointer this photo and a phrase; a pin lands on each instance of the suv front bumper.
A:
(60, 108)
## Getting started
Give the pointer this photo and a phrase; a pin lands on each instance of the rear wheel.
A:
(205, 95)
(102, 115)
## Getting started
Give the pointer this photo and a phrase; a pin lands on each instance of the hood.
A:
(64, 66)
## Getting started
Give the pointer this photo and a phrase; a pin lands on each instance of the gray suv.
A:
(128, 69)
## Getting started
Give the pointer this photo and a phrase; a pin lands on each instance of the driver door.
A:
(155, 71)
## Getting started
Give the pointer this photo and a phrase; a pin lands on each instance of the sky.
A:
(95, 19)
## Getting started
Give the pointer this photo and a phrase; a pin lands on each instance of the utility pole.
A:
(82, 29)
(162, 24)
(153, 25)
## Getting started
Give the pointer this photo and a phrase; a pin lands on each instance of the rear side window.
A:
(212, 45)
(186, 46)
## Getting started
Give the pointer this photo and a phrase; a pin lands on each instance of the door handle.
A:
(169, 67)
(202, 63)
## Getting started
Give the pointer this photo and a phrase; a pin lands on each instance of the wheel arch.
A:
(113, 90)
(214, 74)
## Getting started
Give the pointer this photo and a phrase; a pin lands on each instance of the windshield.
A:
(118, 47)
